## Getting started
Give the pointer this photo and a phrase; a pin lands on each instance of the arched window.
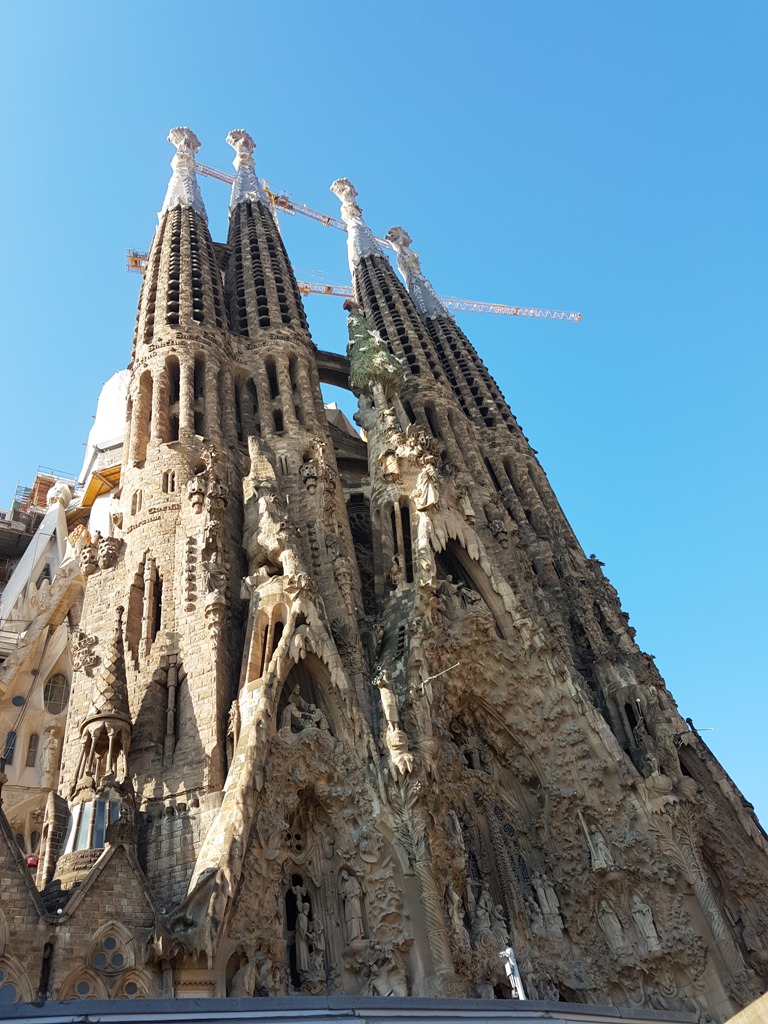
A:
(32, 745)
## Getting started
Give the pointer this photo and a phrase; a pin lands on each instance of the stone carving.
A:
(426, 494)
(400, 758)
(89, 563)
(247, 187)
(298, 714)
(61, 493)
(643, 918)
(421, 291)
(352, 898)
(388, 699)
(243, 980)
(308, 471)
(360, 239)
(197, 488)
(549, 903)
(49, 756)
(611, 928)
(496, 524)
(183, 189)
(107, 552)
(84, 657)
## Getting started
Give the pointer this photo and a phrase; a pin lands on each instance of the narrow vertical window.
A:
(32, 744)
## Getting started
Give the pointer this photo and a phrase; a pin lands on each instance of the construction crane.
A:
(136, 262)
(286, 203)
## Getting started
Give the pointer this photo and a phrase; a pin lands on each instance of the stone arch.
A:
(83, 983)
(135, 984)
(111, 949)
(454, 562)
(14, 983)
(312, 680)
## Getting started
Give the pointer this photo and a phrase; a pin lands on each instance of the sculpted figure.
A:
(456, 914)
(302, 938)
(549, 903)
(49, 756)
(426, 494)
(401, 759)
(309, 475)
(241, 985)
(352, 895)
(643, 918)
(317, 941)
(388, 699)
(611, 927)
(602, 858)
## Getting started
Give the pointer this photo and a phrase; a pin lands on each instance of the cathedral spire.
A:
(110, 697)
(246, 187)
(424, 296)
(183, 189)
(360, 239)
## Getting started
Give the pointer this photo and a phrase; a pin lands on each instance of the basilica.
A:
(294, 709)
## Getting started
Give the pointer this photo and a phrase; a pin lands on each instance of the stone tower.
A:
(355, 714)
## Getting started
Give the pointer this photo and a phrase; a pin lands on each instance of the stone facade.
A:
(357, 717)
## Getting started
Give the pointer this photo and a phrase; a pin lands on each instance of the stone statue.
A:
(602, 858)
(388, 699)
(49, 756)
(549, 903)
(317, 941)
(611, 927)
(643, 918)
(352, 895)
(302, 937)
(241, 985)
(456, 914)
(426, 494)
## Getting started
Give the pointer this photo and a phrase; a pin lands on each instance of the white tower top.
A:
(360, 239)
(183, 189)
(424, 296)
(246, 186)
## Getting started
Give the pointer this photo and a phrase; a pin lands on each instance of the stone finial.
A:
(360, 239)
(183, 189)
(110, 697)
(246, 187)
(425, 298)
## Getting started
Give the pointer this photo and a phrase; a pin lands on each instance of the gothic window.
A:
(169, 482)
(56, 694)
(32, 744)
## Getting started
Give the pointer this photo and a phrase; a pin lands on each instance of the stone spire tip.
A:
(246, 188)
(425, 298)
(183, 189)
(360, 239)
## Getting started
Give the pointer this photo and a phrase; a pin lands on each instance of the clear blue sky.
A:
(597, 156)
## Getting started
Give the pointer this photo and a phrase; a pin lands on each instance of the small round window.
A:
(56, 694)
(108, 955)
(83, 989)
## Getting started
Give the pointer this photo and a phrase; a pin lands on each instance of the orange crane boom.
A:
(137, 261)
(285, 202)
